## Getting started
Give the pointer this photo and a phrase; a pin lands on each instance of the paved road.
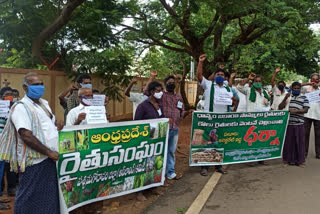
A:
(271, 189)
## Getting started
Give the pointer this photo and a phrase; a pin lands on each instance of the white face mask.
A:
(225, 82)
(158, 95)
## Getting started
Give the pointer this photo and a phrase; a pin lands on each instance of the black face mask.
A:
(170, 86)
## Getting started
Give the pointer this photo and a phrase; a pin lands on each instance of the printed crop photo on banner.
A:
(97, 163)
(227, 138)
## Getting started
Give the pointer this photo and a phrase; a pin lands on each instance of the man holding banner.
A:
(294, 147)
(257, 98)
(32, 122)
(77, 115)
(218, 97)
(91, 109)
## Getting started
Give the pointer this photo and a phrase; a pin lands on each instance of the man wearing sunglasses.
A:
(33, 124)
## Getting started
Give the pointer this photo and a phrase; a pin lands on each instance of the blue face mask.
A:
(89, 85)
(35, 91)
(295, 93)
(219, 79)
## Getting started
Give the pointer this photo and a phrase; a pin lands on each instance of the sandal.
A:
(220, 170)
(4, 207)
(204, 172)
(5, 200)
(178, 177)
(263, 163)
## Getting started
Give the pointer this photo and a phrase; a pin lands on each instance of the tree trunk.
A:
(56, 25)
(183, 94)
(182, 85)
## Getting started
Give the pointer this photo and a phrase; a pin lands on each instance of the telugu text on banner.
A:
(227, 138)
(97, 163)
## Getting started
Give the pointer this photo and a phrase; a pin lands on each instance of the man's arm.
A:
(211, 77)
(202, 58)
(300, 111)
(232, 76)
(153, 75)
(283, 104)
(245, 81)
(235, 104)
(63, 94)
(128, 89)
(30, 140)
(81, 117)
(273, 80)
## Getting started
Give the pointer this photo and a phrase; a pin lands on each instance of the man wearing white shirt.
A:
(313, 115)
(279, 92)
(211, 90)
(135, 97)
(77, 115)
(257, 98)
(33, 123)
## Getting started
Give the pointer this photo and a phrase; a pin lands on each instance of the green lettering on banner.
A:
(227, 138)
(100, 163)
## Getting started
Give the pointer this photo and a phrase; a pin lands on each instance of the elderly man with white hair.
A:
(77, 115)
(33, 124)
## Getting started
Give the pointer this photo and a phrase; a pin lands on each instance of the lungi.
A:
(294, 145)
(2, 163)
(38, 190)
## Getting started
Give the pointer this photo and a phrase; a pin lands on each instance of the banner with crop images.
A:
(97, 163)
(227, 138)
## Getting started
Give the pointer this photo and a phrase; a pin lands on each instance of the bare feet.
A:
(141, 197)
(204, 172)
(157, 191)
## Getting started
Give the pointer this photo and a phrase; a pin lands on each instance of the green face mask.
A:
(257, 85)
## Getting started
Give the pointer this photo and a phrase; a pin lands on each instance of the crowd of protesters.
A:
(29, 136)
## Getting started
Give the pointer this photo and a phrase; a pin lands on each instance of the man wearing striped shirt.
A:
(294, 146)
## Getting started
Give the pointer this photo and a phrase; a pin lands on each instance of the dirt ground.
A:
(122, 204)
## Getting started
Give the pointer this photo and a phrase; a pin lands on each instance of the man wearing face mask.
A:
(235, 99)
(33, 124)
(172, 108)
(313, 115)
(77, 115)
(257, 98)
(83, 81)
(16, 95)
(279, 92)
(294, 146)
(211, 89)
(6, 93)
(151, 108)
